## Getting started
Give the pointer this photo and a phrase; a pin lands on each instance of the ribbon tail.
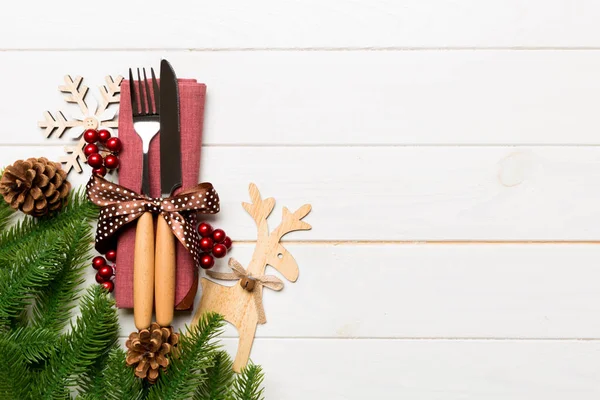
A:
(260, 309)
(226, 276)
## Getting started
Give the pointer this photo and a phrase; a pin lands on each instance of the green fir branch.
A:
(197, 349)
(118, 380)
(247, 385)
(218, 379)
(93, 334)
(30, 235)
(26, 279)
(6, 212)
(15, 378)
(34, 344)
(53, 305)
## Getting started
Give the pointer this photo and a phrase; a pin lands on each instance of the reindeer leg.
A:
(247, 329)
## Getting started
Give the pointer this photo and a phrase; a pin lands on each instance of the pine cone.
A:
(35, 186)
(147, 350)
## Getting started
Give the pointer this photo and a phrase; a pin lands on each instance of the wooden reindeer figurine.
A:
(241, 304)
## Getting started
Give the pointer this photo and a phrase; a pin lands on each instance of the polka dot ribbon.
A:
(120, 206)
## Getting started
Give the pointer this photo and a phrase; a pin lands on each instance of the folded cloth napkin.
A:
(191, 110)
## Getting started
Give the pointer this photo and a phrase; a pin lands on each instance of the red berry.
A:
(207, 261)
(103, 135)
(90, 136)
(108, 285)
(98, 262)
(99, 171)
(111, 255)
(204, 229)
(114, 144)
(206, 244)
(227, 242)
(90, 149)
(95, 160)
(219, 251)
(219, 235)
(99, 278)
(111, 161)
(106, 272)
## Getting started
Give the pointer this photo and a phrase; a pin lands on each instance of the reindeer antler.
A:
(259, 209)
(293, 221)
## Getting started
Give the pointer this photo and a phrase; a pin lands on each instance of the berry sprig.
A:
(101, 151)
(214, 244)
(105, 272)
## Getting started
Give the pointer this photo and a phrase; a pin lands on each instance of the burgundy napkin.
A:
(191, 109)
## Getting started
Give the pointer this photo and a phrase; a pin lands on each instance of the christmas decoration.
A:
(98, 262)
(42, 262)
(91, 115)
(101, 151)
(111, 255)
(35, 186)
(121, 206)
(149, 349)
(241, 305)
(205, 229)
(214, 244)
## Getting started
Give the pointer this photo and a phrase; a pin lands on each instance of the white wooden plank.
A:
(431, 291)
(406, 193)
(307, 24)
(385, 369)
(336, 98)
(427, 370)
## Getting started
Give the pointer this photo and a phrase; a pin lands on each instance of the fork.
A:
(146, 123)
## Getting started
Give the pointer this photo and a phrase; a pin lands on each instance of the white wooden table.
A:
(449, 150)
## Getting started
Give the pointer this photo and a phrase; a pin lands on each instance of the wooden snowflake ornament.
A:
(91, 115)
(241, 304)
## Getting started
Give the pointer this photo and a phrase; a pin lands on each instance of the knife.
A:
(170, 180)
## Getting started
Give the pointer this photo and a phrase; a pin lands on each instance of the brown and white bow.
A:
(120, 206)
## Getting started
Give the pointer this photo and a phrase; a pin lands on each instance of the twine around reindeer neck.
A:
(240, 273)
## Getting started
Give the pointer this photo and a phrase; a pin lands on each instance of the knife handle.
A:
(143, 271)
(165, 264)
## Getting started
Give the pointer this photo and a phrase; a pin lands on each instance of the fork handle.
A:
(145, 175)
(165, 264)
(143, 271)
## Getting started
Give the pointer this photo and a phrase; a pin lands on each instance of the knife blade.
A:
(170, 180)
(170, 151)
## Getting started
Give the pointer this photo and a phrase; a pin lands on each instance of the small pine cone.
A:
(35, 186)
(147, 350)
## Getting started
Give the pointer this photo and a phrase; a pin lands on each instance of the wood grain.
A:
(409, 193)
(459, 125)
(428, 370)
(143, 272)
(165, 264)
(370, 98)
(429, 291)
(337, 24)
(242, 306)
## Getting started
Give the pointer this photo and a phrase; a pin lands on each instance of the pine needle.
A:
(53, 305)
(218, 379)
(95, 331)
(197, 349)
(29, 236)
(247, 385)
(119, 380)
(34, 344)
(26, 279)
(15, 378)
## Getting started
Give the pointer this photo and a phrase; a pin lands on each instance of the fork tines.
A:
(141, 104)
